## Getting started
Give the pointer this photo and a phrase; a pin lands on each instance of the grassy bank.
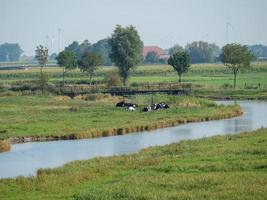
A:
(221, 167)
(238, 94)
(56, 117)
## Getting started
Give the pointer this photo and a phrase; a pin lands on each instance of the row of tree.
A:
(203, 52)
(235, 57)
(102, 48)
(126, 52)
(199, 52)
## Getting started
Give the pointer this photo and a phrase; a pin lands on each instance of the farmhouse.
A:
(162, 54)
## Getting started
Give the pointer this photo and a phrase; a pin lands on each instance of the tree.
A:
(126, 50)
(180, 61)
(42, 56)
(10, 52)
(89, 63)
(74, 47)
(152, 57)
(175, 48)
(237, 58)
(84, 47)
(259, 51)
(202, 52)
(53, 56)
(66, 60)
(102, 48)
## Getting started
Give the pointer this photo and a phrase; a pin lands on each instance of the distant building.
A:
(162, 54)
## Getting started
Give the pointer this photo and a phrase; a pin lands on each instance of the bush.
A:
(18, 86)
(112, 79)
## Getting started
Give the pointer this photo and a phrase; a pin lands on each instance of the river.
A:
(24, 159)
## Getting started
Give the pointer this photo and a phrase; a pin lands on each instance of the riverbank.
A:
(38, 118)
(220, 167)
(230, 94)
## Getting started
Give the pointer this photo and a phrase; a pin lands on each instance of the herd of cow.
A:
(152, 107)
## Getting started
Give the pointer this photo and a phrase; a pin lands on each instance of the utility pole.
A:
(52, 44)
(59, 38)
(227, 32)
(47, 41)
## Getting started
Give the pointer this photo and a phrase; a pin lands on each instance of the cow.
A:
(120, 104)
(130, 108)
(147, 109)
(156, 106)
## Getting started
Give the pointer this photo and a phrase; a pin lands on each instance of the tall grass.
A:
(37, 118)
(221, 167)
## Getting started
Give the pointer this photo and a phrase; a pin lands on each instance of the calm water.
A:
(25, 159)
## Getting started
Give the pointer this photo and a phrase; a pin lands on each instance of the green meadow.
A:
(96, 115)
(200, 75)
(220, 167)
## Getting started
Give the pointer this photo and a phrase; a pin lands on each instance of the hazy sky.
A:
(159, 22)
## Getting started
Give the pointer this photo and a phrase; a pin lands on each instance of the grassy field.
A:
(222, 167)
(203, 75)
(96, 115)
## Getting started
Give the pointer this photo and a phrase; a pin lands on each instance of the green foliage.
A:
(112, 79)
(75, 48)
(10, 52)
(237, 58)
(66, 60)
(203, 52)
(89, 63)
(41, 54)
(43, 81)
(102, 48)
(176, 48)
(180, 62)
(41, 116)
(126, 50)
(201, 76)
(151, 58)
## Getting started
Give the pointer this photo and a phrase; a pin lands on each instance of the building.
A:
(162, 54)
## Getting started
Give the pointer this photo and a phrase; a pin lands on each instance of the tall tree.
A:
(175, 48)
(202, 52)
(89, 63)
(102, 48)
(66, 60)
(74, 47)
(10, 52)
(41, 54)
(237, 58)
(180, 61)
(126, 50)
(42, 57)
(85, 46)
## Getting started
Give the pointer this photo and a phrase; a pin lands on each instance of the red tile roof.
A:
(159, 51)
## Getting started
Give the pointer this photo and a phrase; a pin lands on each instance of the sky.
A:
(56, 23)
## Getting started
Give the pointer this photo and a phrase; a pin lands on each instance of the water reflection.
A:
(25, 159)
